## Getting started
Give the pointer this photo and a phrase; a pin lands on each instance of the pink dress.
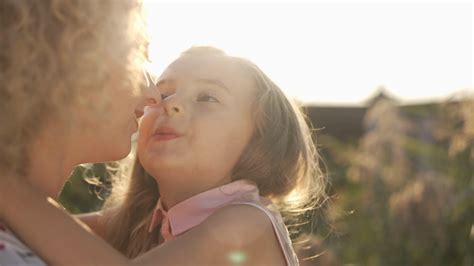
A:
(14, 252)
(191, 212)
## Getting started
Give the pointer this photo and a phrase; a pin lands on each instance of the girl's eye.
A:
(164, 96)
(206, 98)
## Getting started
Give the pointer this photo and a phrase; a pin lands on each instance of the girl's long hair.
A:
(281, 159)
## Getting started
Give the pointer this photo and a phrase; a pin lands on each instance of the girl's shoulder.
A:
(231, 235)
(256, 226)
(244, 233)
(238, 218)
(14, 252)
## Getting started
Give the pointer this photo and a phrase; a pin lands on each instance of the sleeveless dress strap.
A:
(280, 230)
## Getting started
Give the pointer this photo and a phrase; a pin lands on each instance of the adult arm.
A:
(55, 236)
(61, 240)
(95, 221)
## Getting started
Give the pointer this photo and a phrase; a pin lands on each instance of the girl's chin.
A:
(163, 168)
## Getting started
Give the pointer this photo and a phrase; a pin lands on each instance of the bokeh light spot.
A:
(237, 257)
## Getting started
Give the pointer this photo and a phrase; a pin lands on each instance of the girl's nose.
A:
(151, 96)
(173, 105)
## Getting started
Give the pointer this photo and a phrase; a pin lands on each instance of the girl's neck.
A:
(174, 190)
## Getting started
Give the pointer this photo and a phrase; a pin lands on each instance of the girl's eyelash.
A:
(201, 97)
(205, 96)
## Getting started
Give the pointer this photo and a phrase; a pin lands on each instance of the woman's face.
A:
(87, 134)
(110, 131)
(203, 124)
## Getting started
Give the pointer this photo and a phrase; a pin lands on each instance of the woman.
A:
(72, 87)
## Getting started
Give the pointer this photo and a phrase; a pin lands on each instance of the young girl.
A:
(222, 152)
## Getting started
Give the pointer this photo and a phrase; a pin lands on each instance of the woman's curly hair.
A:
(55, 52)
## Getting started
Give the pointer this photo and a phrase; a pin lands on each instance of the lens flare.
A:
(237, 257)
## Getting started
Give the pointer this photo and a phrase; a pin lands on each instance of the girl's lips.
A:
(165, 133)
(164, 136)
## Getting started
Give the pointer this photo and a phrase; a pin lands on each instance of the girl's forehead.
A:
(222, 68)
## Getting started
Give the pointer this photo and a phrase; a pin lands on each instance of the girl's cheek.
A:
(150, 115)
(148, 122)
(144, 127)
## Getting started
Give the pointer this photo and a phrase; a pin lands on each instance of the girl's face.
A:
(203, 124)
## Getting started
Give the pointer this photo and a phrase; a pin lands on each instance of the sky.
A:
(330, 52)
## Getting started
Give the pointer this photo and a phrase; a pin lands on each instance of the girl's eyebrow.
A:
(213, 82)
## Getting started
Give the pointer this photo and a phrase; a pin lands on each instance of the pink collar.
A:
(191, 212)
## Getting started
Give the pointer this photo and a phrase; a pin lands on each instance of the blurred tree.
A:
(86, 189)
(407, 198)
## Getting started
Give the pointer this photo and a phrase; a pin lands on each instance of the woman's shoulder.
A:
(14, 252)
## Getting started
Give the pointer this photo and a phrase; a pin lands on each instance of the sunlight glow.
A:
(328, 52)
